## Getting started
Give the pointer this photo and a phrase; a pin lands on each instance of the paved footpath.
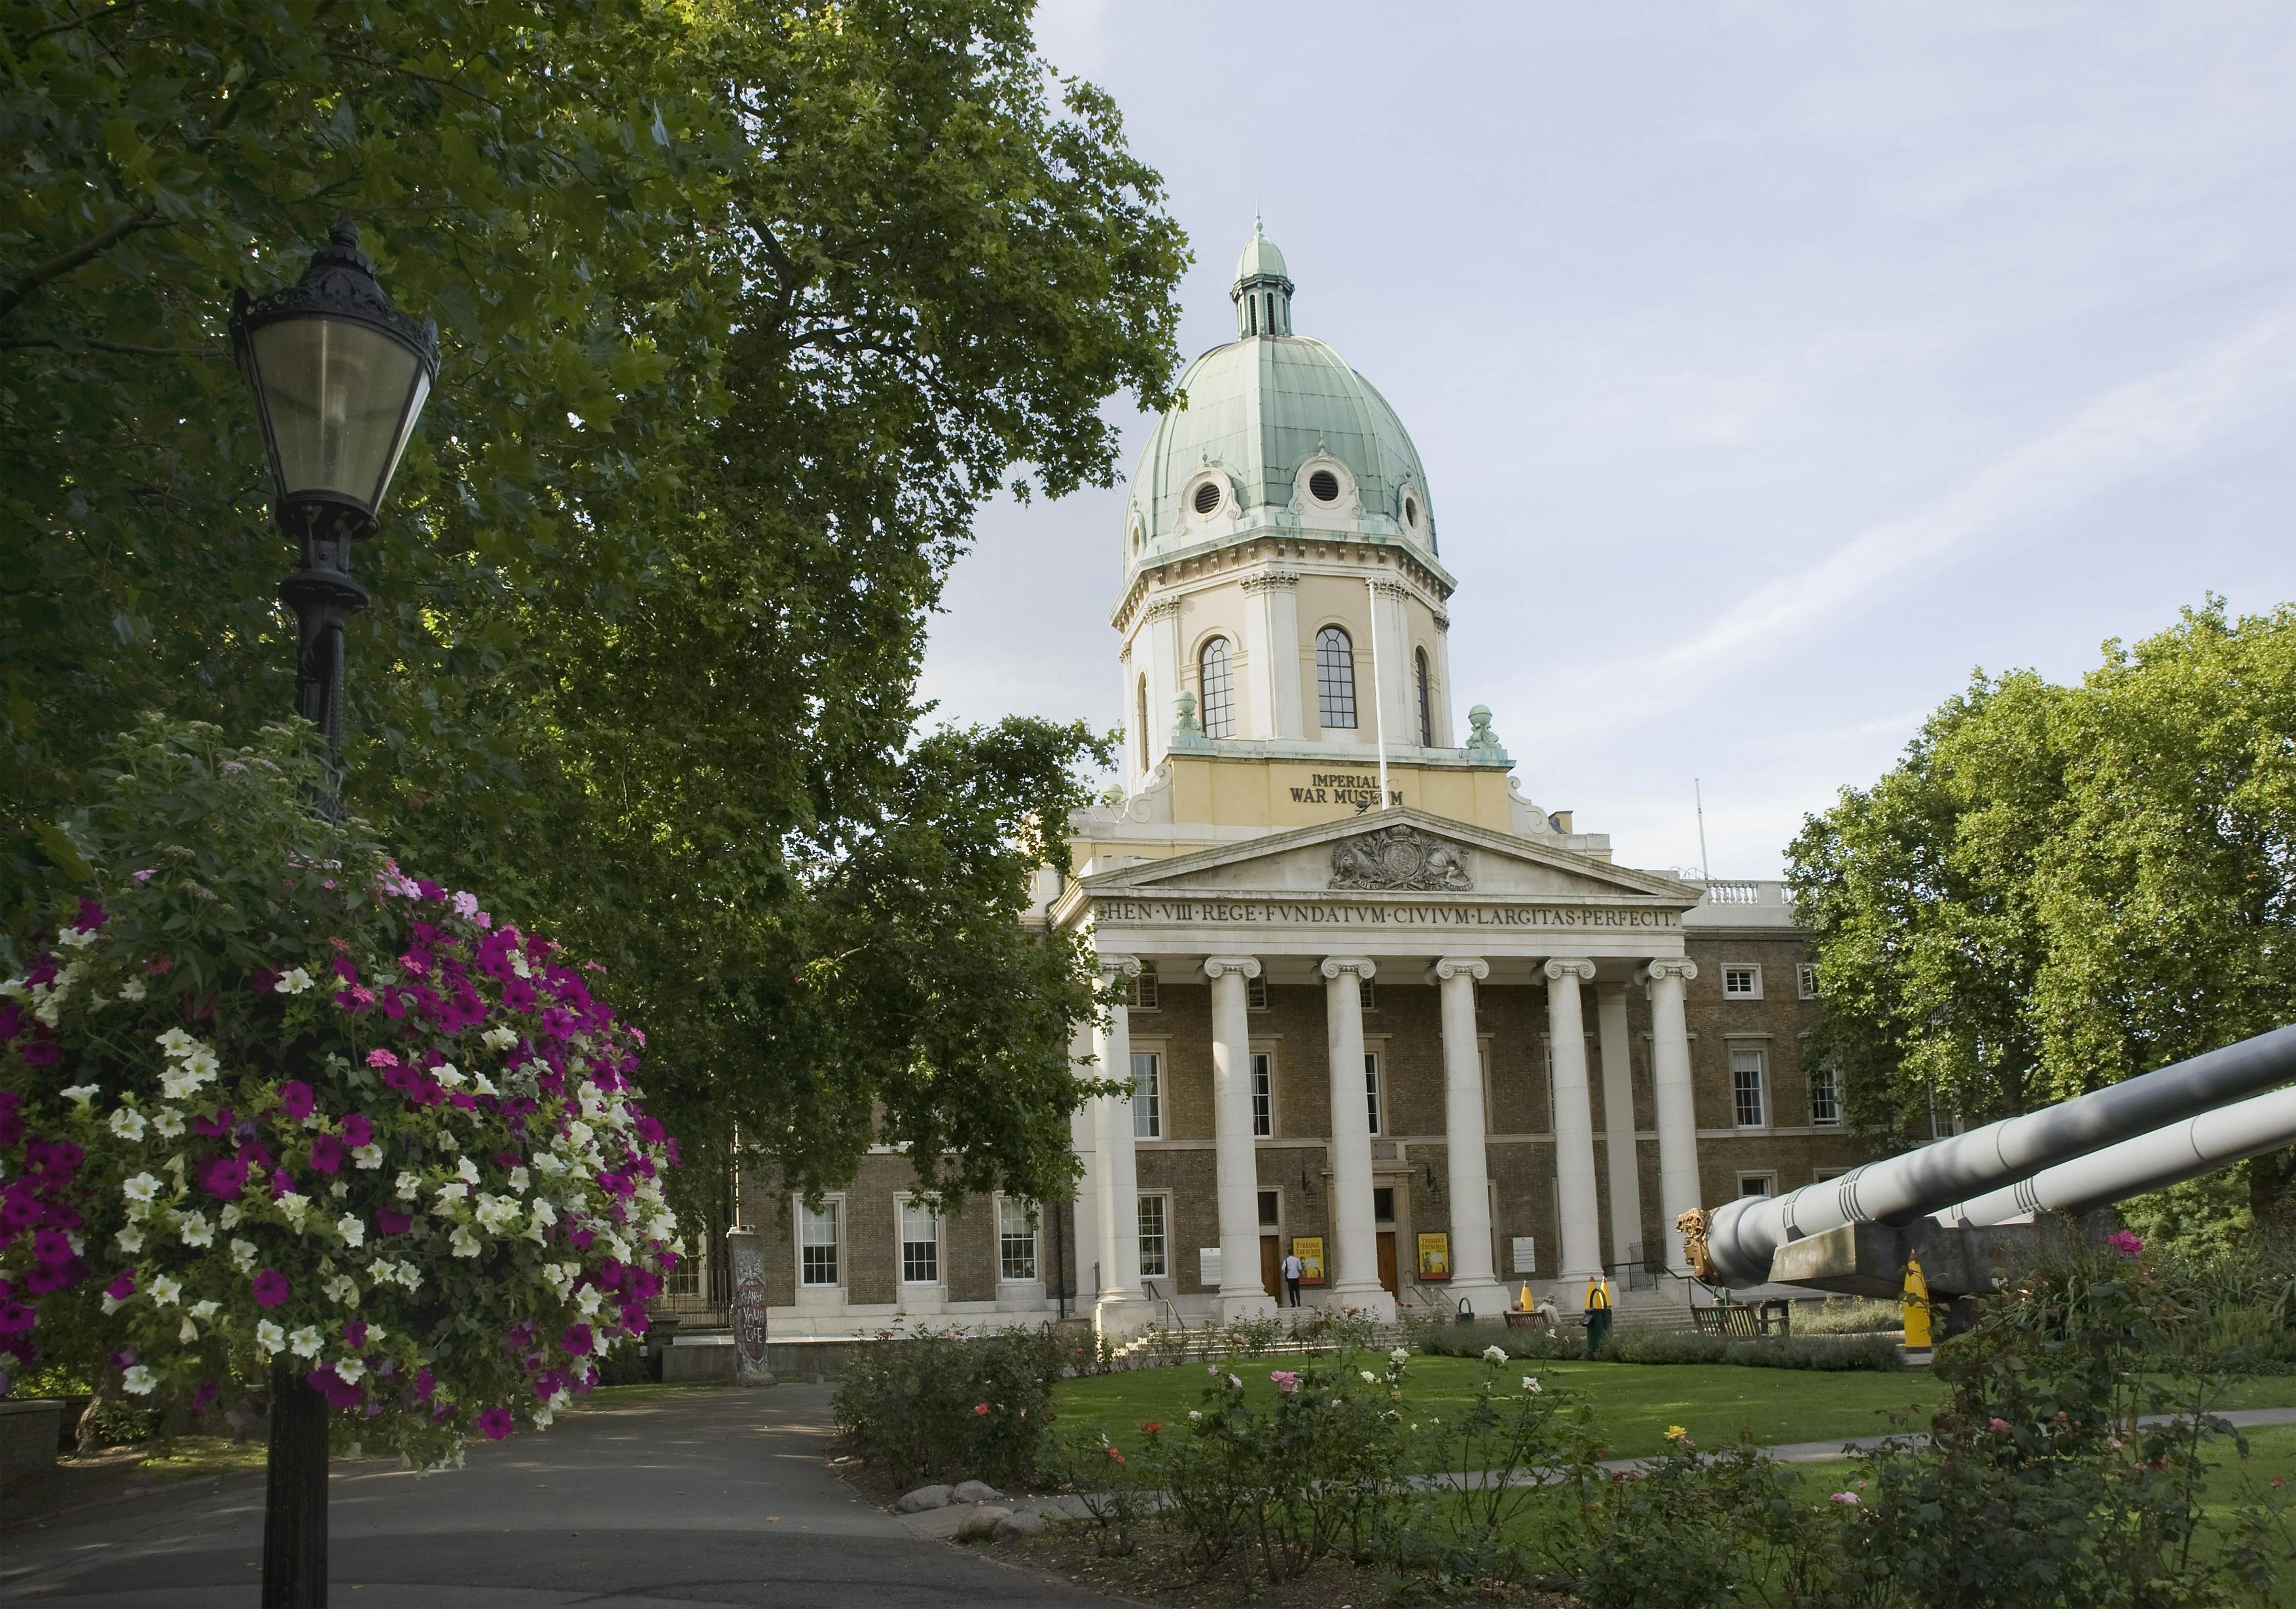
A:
(719, 1497)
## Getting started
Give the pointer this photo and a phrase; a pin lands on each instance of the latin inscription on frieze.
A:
(1285, 912)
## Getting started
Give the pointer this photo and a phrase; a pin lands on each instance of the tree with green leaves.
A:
(744, 310)
(2061, 887)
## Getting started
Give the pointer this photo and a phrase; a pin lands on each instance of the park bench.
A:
(1745, 1320)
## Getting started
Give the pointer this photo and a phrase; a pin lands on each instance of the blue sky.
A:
(1774, 365)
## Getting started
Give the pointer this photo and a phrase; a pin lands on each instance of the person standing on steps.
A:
(1292, 1267)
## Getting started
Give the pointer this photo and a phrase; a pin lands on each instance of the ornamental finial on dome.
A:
(1262, 292)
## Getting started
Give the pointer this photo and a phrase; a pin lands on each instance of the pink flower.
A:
(270, 1288)
(981, 1407)
(1847, 1499)
(496, 1423)
(380, 1057)
(146, 875)
(2124, 1244)
(160, 964)
(1286, 1381)
(2000, 1427)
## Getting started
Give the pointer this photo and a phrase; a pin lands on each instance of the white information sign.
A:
(1526, 1254)
(1207, 1265)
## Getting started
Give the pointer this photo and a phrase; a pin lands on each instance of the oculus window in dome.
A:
(1260, 410)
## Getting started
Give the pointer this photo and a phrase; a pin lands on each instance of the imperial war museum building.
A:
(1401, 1022)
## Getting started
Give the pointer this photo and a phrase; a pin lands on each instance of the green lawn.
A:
(1633, 1403)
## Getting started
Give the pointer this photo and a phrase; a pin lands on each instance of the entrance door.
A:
(1382, 1212)
(1271, 1266)
(1387, 1260)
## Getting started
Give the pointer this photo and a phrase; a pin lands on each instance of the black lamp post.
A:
(340, 377)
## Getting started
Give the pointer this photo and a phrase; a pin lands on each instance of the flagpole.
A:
(1378, 704)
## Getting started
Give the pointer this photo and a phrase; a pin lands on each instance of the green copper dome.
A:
(1275, 431)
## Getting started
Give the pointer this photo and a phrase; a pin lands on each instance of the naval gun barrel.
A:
(2151, 1161)
(1742, 1236)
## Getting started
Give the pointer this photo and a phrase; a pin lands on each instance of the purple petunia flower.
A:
(270, 1288)
(296, 1099)
(327, 1152)
(495, 1422)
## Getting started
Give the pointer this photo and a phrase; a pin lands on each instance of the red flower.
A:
(1116, 1455)
(981, 1407)
(1149, 1426)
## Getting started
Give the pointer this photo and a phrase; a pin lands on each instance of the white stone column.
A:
(1161, 633)
(1241, 1293)
(1271, 637)
(1618, 1124)
(1677, 1111)
(1574, 1130)
(1473, 1277)
(1084, 1135)
(1352, 1258)
(1122, 1306)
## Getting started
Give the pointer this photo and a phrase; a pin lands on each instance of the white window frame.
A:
(1270, 1225)
(1144, 995)
(1255, 994)
(1761, 1091)
(685, 1276)
(1751, 971)
(1366, 996)
(1218, 716)
(1806, 980)
(1148, 1094)
(834, 1207)
(1162, 1257)
(1767, 1179)
(1832, 1086)
(1374, 1090)
(1263, 1095)
(902, 1207)
(1008, 1207)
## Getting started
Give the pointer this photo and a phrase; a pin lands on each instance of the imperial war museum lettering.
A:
(1283, 913)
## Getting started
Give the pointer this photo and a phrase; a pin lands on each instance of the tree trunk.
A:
(295, 1501)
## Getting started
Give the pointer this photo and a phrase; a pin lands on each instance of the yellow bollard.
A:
(1525, 1297)
(1916, 1305)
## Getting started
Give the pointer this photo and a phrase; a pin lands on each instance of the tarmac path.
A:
(720, 1497)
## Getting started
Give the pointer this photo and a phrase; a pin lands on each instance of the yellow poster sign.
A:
(1309, 1250)
(1435, 1257)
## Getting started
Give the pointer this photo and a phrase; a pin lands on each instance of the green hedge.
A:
(1875, 1353)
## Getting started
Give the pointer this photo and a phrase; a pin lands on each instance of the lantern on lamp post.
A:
(340, 377)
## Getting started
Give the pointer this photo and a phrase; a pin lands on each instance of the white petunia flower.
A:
(449, 1074)
(499, 1038)
(589, 1300)
(196, 1229)
(76, 938)
(518, 1180)
(469, 1170)
(462, 1243)
(129, 1239)
(175, 1042)
(545, 1162)
(295, 981)
(408, 1184)
(242, 1254)
(230, 1215)
(304, 1343)
(350, 1370)
(127, 1123)
(352, 1228)
(168, 1123)
(268, 1335)
(367, 1156)
(344, 1289)
(143, 1189)
(374, 1332)
(294, 1205)
(80, 1095)
(204, 1311)
(133, 990)
(201, 1065)
(187, 1332)
(165, 1290)
(139, 1380)
(483, 1085)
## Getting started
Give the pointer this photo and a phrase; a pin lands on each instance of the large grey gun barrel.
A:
(2151, 1161)
(1744, 1234)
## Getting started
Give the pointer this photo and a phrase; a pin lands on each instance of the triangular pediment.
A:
(1394, 853)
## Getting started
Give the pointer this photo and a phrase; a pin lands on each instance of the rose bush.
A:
(269, 1103)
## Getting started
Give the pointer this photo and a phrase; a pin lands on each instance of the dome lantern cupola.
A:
(1262, 292)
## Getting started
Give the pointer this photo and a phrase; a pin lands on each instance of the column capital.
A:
(1118, 967)
(1215, 967)
(1339, 966)
(1570, 966)
(1674, 966)
(1452, 967)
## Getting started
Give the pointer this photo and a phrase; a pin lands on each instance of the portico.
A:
(1401, 902)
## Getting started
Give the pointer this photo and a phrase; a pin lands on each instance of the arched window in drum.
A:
(1335, 679)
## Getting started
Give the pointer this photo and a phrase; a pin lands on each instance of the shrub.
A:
(1875, 1353)
(1850, 1316)
(934, 1407)
(275, 1111)
(1275, 1490)
(1471, 1340)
